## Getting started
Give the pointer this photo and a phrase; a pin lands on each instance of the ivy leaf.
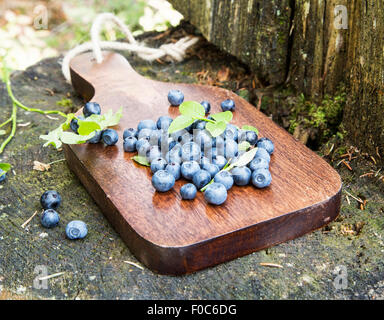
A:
(192, 109)
(244, 159)
(86, 127)
(244, 146)
(250, 128)
(141, 160)
(180, 123)
(225, 116)
(216, 129)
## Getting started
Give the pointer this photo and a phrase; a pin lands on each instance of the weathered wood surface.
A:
(175, 237)
(256, 32)
(95, 267)
(312, 45)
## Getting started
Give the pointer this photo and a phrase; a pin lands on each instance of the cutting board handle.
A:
(88, 76)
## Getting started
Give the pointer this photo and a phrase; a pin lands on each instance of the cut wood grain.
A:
(171, 236)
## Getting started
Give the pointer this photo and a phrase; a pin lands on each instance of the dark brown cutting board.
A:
(171, 236)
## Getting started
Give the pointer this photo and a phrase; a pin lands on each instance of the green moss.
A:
(65, 102)
(325, 118)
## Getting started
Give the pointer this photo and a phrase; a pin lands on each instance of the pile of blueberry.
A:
(196, 156)
(50, 201)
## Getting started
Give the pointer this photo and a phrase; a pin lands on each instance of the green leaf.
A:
(141, 160)
(244, 146)
(250, 128)
(216, 129)
(5, 167)
(73, 138)
(53, 138)
(223, 116)
(86, 127)
(244, 159)
(180, 123)
(107, 119)
(192, 109)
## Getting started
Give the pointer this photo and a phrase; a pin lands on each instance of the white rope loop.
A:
(174, 50)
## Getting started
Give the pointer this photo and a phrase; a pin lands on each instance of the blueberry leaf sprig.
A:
(141, 160)
(192, 111)
(87, 128)
(242, 161)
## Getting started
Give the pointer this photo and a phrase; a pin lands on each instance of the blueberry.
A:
(91, 108)
(3, 175)
(158, 164)
(228, 105)
(76, 229)
(231, 132)
(96, 138)
(261, 178)
(225, 178)
(203, 139)
(216, 193)
(50, 199)
(201, 178)
(241, 175)
(241, 136)
(220, 161)
(266, 144)
(163, 181)
(166, 143)
(50, 218)
(258, 163)
(153, 153)
(110, 137)
(142, 146)
(189, 168)
(263, 153)
(164, 122)
(174, 168)
(148, 124)
(130, 132)
(174, 155)
(206, 105)
(199, 125)
(190, 152)
(211, 168)
(251, 137)
(74, 124)
(181, 136)
(204, 161)
(129, 144)
(145, 134)
(230, 149)
(188, 191)
(175, 97)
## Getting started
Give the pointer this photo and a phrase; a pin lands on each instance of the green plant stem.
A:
(19, 104)
(207, 120)
(13, 131)
(225, 168)
(6, 122)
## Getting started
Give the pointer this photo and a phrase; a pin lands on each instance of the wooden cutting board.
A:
(171, 236)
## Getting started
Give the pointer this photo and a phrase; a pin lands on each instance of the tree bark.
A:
(311, 44)
(255, 31)
(364, 113)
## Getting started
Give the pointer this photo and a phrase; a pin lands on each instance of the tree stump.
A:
(312, 45)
